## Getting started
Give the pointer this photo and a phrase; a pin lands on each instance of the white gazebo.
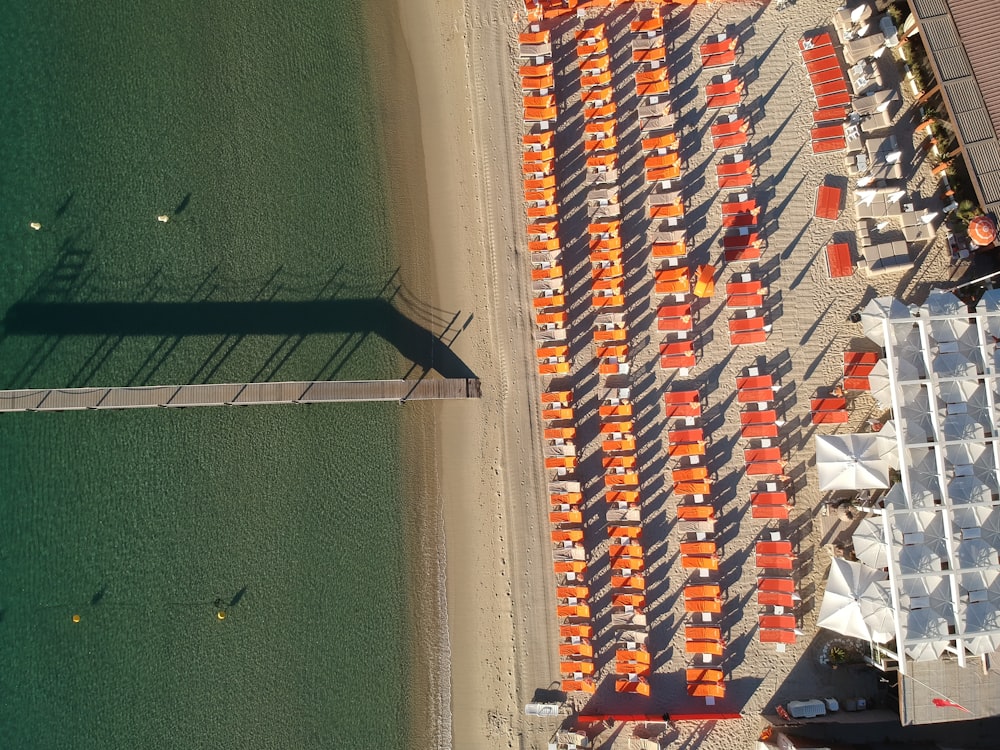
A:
(941, 522)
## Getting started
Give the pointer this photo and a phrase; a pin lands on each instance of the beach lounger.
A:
(578, 686)
(785, 585)
(839, 99)
(597, 96)
(631, 564)
(692, 435)
(733, 168)
(652, 75)
(783, 622)
(829, 75)
(537, 83)
(703, 674)
(828, 198)
(576, 631)
(768, 498)
(621, 445)
(619, 426)
(558, 319)
(630, 479)
(653, 88)
(765, 468)
(815, 40)
(597, 79)
(658, 142)
(534, 37)
(763, 416)
(641, 25)
(703, 633)
(818, 54)
(628, 582)
(754, 395)
(598, 47)
(775, 562)
(713, 648)
(774, 547)
(746, 219)
(777, 512)
(730, 141)
(689, 474)
(629, 600)
(707, 690)
(827, 132)
(628, 686)
(669, 249)
(535, 71)
(747, 287)
(752, 431)
(683, 323)
(830, 114)
(776, 636)
(717, 44)
(657, 161)
(675, 210)
(580, 666)
(595, 65)
(775, 599)
(723, 59)
(652, 54)
(839, 261)
(745, 300)
(693, 488)
(742, 338)
(722, 101)
(833, 87)
(590, 34)
(730, 182)
(663, 174)
(576, 649)
(745, 254)
(755, 323)
(600, 129)
(822, 64)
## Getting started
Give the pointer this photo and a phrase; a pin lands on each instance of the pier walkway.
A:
(237, 394)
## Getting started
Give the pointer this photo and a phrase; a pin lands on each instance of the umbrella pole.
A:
(974, 281)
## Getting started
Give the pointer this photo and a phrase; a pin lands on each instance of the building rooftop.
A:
(960, 37)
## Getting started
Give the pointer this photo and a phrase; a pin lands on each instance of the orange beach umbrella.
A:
(982, 231)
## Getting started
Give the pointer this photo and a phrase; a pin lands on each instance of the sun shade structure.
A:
(841, 609)
(982, 231)
(851, 462)
(937, 538)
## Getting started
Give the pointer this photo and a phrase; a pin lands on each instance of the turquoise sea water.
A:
(251, 126)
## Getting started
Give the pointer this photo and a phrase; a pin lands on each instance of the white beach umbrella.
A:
(969, 489)
(989, 528)
(850, 462)
(878, 310)
(967, 521)
(877, 612)
(989, 303)
(841, 608)
(962, 427)
(976, 553)
(916, 527)
(918, 558)
(982, 582)
(869, 544)
(922, 466)
(925, 623)
(920, 497)
(953, 329)
(890, 440)
(913, 593)
(941, 302)
(964, 454)
(953, 365)
(981, 620)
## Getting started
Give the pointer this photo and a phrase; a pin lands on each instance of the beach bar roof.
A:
(940, 526)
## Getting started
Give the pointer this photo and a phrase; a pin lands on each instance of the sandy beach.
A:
(483, 456)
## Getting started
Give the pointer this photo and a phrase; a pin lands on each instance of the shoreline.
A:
(428, 653)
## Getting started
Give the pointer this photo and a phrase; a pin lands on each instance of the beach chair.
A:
(576, 631)
(743, 338)
(558, 319)
(537, 83)
(651, 75)
(696, 512)
(597, 79)
(826, 75)
(713, 648)
(534, 37)
(838, 99)
(768, 498)
(577, 666)
(598, 47)
(832, 87)
(758, 455)
(830, 114)
(628, 600)
(689, 474)
(781, 637)
(753, 323)
(782, 622)
(829, 410)
(558, 414)
(734, 168)
(599, 112)
(654, 88)
(821, 64)
(682, 404)
(566, 498)
(707, 690)
(628, 582)
(570, 516)
(721, 101)
(765, 468)
(646, 25)
(629, 479)
(732, 182)
(640, 686)
(838, 260)
(652, 54)
(578, 686)
(576, 649)
(618, 445)
(817, 54)
(775, 599)
(754, 382)
(664, 174)
(774, 547)
(740, 239)
(597, 96)
(692, 435)
(769, 512)
(669, 249)
(745, 219)
(595, 65)
(775, 562)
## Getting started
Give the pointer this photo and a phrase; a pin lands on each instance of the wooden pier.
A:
(237, 394)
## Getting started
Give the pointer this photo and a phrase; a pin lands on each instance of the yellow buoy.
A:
(163, 217)
(221, 614)
(76, 618)
(35, 225)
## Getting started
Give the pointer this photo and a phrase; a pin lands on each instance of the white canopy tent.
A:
(841, 608)
(938, 534)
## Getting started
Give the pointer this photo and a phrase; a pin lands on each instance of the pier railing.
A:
(237, 394)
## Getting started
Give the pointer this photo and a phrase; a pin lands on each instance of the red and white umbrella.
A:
(982, 231)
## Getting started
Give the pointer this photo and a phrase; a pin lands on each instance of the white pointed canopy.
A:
(841, 607)
(851, 462)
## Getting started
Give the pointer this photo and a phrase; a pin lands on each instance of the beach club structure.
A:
(926, 584)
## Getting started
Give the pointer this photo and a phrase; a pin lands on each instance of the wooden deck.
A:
(237, 394)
